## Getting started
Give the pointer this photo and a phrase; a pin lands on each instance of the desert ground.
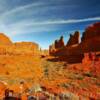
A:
(55, 76)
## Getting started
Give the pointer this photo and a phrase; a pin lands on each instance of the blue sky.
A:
(43, 21)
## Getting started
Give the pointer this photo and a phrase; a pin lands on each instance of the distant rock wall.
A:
(18, 48)
(26, 48)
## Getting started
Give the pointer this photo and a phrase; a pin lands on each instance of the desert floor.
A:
(56, 76)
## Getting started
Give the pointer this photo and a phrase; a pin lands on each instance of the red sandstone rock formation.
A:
(56, 44)
(91, 32)
(74, 50)
(19, 48)
(74, 39)
(59, 43)
(91, 63)
(51, 48)
(26, 48)
(91, 38)
(27, 45)
(4, 40)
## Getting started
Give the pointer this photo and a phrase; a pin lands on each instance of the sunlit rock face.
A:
(26, 48)
(18, 48)
(4, 40)
(51, 48)
(74, 39)
(75, 49)
(91, 38)
(59, 43)
(91, 32)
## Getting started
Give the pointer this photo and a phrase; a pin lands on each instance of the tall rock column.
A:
(74, 39)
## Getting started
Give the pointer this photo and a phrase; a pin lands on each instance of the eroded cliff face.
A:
(91, 31)
(18, 48)
(90, 40)
(26, 48)
(57, 45)
(4, 40)
(74, 50)
(74, 39)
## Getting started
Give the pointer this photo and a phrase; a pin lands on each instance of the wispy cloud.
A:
(27, 26)
(31, 23)
(19, 9)
(26, 23)
(72, 21)
(53, 22)
(37, 9)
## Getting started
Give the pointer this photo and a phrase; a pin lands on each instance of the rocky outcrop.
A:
(75, 49)
(18, 48)
(59, 43)
(4, 40)
(91, 63)
(51, 48)
(91, 32)
(74, 39)
(90, 40)
(26, 48)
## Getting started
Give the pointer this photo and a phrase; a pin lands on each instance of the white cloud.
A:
(70, 21)
(27, 26)
(19, 9)
(26, 23)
